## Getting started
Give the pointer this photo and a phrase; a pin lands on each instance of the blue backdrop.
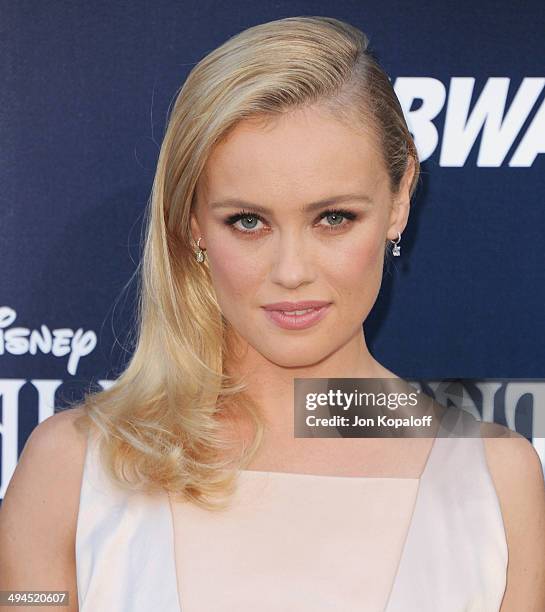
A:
(85, 92)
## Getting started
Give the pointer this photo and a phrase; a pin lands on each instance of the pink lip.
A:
(289, 306)
(298, 321)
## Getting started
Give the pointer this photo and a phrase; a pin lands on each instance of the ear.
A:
(195, 229)
(399, 214)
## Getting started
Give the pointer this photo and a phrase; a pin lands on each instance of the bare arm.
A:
(518, 476)
(39, 512)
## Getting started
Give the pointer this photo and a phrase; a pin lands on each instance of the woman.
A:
(285, 176)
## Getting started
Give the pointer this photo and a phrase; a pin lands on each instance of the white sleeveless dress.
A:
(301, 542)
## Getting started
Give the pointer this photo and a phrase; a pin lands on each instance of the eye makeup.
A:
(340, 213)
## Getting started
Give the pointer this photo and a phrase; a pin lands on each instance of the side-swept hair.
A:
(161, 425)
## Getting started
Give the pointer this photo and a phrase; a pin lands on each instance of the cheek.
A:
(235, 274)
(356, 272)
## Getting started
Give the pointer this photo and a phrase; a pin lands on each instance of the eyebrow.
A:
(338, 199)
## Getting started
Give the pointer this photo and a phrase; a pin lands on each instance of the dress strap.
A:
(124, 550)
(455, 554)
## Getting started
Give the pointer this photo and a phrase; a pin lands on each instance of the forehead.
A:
(306, 153)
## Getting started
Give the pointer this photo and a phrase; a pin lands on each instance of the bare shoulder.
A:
(39, 512)
(57, 433)
(56, 447)
(517, 474)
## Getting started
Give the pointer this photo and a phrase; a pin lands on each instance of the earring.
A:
(199, 253)
(396, 250)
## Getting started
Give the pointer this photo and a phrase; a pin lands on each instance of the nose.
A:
(293, 263)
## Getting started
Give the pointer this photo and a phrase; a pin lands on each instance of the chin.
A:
(296, 354)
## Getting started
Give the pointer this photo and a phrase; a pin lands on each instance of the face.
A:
(265, 242)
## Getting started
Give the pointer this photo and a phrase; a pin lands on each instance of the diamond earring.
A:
(199, 253)
(396, 250)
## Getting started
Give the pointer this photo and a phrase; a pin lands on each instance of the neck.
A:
(272, 385)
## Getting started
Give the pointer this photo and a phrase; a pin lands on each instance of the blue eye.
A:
(338, 216)
(244, 218)
(249, 220)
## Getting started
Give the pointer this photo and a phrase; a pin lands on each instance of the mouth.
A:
(297, 307)
(297, 318)
(296, 313)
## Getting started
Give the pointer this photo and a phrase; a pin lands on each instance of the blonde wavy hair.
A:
(162, 424)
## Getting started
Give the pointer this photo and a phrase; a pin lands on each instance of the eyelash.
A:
(341, 212)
